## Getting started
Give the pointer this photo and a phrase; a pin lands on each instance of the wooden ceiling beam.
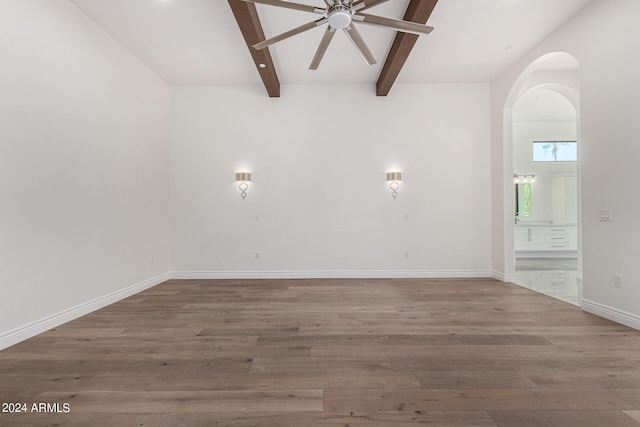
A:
(247, 17)
(418, 11)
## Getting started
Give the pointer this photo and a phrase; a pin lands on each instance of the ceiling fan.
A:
(340, 15)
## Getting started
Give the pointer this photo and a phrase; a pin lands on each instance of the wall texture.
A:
(84, 170)
(319, 205)
(609, 129)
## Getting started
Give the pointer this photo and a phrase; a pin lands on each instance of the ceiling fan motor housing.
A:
(339, 16)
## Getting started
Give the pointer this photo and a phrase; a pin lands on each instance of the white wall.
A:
(319, 156)
(84, 172)
(604, 38)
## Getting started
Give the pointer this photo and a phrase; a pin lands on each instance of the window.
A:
(555, 151)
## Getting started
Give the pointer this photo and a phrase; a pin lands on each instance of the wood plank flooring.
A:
(330, 353)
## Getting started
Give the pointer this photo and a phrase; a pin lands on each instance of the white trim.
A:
(498, 275)
(572, 254)
(334, 274)
(619, 316)
(32, 329)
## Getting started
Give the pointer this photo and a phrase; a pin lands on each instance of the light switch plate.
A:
(605, 215)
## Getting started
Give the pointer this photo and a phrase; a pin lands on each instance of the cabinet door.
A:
(573, 239)
(521, 238)
(537, 240)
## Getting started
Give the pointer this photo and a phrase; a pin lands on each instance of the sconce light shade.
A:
(394, 178)
(243, 178)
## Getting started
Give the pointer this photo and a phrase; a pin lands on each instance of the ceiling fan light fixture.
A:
(340, 15)
(340, 19)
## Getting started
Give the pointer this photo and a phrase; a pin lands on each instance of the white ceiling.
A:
(197, 42)
(543, 105)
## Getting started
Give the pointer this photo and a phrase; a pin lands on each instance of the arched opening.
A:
(541, 137)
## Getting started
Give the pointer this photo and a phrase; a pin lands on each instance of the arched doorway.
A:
(541, 115)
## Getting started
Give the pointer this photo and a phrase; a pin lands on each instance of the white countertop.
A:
(543, 224)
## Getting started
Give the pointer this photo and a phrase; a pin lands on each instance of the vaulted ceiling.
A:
(418, 11)
(199, 42)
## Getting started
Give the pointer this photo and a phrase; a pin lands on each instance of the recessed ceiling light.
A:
(508, 48)
(262, 66)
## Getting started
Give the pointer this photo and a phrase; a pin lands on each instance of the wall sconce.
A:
(524, 179)
(394, 179)
(243, 178)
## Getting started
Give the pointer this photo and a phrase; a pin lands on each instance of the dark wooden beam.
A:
(247, 17)
(418, 11)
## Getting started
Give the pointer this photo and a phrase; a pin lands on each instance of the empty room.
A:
(319, 213)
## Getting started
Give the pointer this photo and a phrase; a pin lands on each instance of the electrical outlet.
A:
(605, 215)
(257, 255)
(406, 254)
(257, 217)
(153, 261)
(617, 280)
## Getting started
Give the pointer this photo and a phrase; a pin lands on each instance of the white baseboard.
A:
(333, 274)
(498, 275)
(22, 333)
(619, 316)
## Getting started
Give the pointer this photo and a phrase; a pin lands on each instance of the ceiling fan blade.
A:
(358, 41)
(366, 4)
(289, 5)
(393, 24)
(322, 49)
(290, 33)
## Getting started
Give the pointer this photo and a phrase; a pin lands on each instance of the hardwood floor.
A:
(330, 353)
